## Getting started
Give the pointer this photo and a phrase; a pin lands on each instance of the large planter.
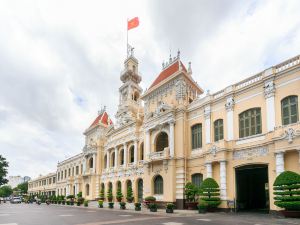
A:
(119, 199)
(201, 210)
(110, 199)
(191, 205)
(137, 208)
(290, 214)
(153, 210)
(100, 206)
(111, 205)
(169, 210)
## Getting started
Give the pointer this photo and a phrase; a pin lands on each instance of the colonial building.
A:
(242, 136)
(43, 185)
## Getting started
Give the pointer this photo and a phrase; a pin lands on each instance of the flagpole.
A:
(127, 38)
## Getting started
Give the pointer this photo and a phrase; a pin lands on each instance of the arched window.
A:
(162, 141)
(113, 159)
(128, 184)
(87, 189)
(90, 163)
(142, 151)
(197, 179)
(250, 122)
(158, 185)
(122, 157)
(105, 161)
(289, 110)
(119, 185)
(131, 154)
(196, 136)
(218, 128)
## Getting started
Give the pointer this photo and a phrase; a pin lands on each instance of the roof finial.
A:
(190, 68)
(178, 54)
(170, 59)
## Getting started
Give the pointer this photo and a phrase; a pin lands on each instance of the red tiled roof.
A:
(103, 118)
(169, 71)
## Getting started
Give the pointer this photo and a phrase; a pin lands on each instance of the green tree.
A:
(23, 187)
(5, 191)
(3, 170)
(210, 193)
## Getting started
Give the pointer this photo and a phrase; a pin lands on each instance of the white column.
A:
(172, 139)
(229, 116)
(147, 145)
(94, 163)
(107, 159)
(135, 151)
(125, 154)
(279, 162)
(207, 113)
(223, 188)
(84, 165)
(116, 157)
(208, 170)
(269, 90)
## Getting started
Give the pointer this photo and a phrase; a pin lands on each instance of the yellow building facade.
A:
(242, 136)
(43, 185)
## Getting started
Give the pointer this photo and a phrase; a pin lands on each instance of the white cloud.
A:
(61, 60)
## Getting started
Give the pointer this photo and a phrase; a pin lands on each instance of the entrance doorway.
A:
(140, 190)
(252, 192)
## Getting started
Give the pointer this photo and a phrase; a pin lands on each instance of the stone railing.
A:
(249, 81)
(287, 64)
(159, 155)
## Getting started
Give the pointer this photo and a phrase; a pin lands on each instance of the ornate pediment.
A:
(290, 134)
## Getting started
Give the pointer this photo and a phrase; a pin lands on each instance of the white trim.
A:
(250, 139)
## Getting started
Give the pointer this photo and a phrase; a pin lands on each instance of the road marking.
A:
(172, 223)
(207, 220)
(5, 214)
(125, 215)
(123, 221)
(8, 224)
(91, 211)
(63, 215)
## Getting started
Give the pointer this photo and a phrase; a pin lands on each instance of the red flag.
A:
(133, 23)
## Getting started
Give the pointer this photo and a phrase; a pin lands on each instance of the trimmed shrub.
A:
(287, 190)
(101, 195)
(100, 203)
(111, 205)
(86, 203)
(109, 195)
(210, 193)
(129, 196)
(122, 205)
(150, 199)
(79, 195)
(119, 195)
(153, 207)
(137, 206)
(191, 192)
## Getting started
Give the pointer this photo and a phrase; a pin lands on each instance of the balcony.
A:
(155, 156)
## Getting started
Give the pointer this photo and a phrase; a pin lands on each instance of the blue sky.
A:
(60, 61)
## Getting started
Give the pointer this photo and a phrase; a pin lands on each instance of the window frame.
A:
(246, 126)
(218, 129)
(196, 136)
(288, 107)
(158, 185)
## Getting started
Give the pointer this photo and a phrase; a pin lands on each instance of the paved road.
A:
(23, 214)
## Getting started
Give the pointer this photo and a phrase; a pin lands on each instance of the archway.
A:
(140, 190)
(87, 189)
(162, 141)
(252, 187)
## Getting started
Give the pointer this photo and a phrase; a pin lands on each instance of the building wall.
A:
(43, 185)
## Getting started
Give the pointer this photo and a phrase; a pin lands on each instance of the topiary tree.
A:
(119, 194)
(109, 195)
(287, 191)
(129, 196)
(190, 191)
(210, 193)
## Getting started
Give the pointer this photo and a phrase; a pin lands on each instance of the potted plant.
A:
(129, 196)
(170, 208)
(101, 195)
(109, 195)
(86, 203)
(68, 201)
(111, 205)
(191, 191)
(210, 193)
(119, 195)
(287, 193)
(80, 200)
(137, 206)
(100, 203)
(149, 200)
(71, 197)
(202, 206)
(122, 205)
(153, 207)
